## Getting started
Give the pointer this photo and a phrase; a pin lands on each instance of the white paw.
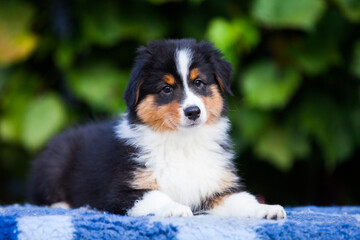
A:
(267, 211)
(159, 204)
(174, 210)
(244, 204)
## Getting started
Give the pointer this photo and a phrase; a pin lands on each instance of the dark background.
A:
(295, 113)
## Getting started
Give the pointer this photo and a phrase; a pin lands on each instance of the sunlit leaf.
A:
(233, 37)
(266, 86)
(295, 14)
(17, 42)
(44, 117)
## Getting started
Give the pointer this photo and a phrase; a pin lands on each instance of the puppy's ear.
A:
(222, 69)
(132, 91)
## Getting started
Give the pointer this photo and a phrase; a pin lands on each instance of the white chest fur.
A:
(187, 165)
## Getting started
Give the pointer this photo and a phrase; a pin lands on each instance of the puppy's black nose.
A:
(192, 112)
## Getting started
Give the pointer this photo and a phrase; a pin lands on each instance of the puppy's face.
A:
(178, 85)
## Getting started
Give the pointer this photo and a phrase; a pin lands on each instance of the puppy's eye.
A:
(198, 83)
(167, 90)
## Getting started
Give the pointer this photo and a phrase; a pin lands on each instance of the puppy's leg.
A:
(244, 204)
(159, 204)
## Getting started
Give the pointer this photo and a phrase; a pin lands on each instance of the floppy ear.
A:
(132, 91)
(222, 69)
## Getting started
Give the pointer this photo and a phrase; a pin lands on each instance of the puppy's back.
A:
(78, 165)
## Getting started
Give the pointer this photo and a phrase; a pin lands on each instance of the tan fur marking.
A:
(194, 73)
(218, 201)
(159, 118)
(144, 180)
(169, 79)
(138, 91)
(220, 82)
(214, 105)
(229, 184)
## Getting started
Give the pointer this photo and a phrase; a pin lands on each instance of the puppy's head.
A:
(177, 85)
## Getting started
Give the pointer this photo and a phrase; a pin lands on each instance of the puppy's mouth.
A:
(192, 117)
(191, 125)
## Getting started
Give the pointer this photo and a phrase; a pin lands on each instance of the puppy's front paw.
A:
(274, 212)
(174, 210)
(159, 204)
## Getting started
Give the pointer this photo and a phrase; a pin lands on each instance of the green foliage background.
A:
(295, 113)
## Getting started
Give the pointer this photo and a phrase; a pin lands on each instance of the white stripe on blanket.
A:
(45, 227)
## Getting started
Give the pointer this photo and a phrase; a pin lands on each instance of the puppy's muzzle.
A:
(192, 112)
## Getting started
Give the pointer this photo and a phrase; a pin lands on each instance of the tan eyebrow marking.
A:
(194, 73)
(169, 79)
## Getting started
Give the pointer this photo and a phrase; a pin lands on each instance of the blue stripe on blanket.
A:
(310, 222)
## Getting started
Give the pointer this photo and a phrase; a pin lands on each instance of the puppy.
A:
(170, 154)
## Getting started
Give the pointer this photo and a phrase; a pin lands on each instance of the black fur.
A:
(86, 165)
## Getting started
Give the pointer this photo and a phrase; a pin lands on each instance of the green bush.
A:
(296, 78)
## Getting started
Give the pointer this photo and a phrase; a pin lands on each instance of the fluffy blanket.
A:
(31, 222)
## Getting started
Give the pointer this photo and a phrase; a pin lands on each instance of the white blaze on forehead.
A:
(183, 61)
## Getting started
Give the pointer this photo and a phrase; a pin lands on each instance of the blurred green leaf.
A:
(44, 117)
(350, 8)
(222, 33)
(266, 86)
(294, 14)
(101, 27)
(101, 85)
(17, 42)
(281, 147)
(64, 56)
(322, 118)
(15, 97)
(355, 65)
(316, 61)
(251, 122)
(110, 25)
(226, 34)
(12, 118)
(319, 51)
(144, 29)
(233, 37)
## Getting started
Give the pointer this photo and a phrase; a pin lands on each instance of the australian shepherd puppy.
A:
(169, 155)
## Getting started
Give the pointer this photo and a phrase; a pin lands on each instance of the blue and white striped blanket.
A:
(32, 222)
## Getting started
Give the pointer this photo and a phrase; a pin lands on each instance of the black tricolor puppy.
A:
(169, 155)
